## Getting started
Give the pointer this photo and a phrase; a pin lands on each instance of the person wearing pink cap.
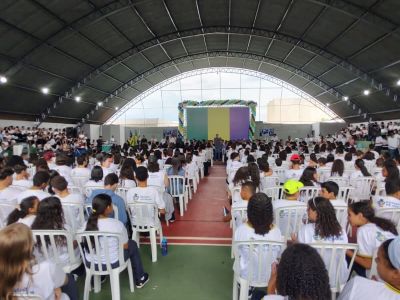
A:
(295, 170)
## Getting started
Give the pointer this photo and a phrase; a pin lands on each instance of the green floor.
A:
(188, 272)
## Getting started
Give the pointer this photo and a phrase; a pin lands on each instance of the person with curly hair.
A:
(388, 267)
(372, 231)
(323, 227)
(299, 279)
(259, 227)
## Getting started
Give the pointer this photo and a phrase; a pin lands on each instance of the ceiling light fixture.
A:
(100, 103)
(366, 92)
(398, 82)
(116, 108)
(45, 90)
(3, 79)
(328, 104)
(345, 98)
(77, 98)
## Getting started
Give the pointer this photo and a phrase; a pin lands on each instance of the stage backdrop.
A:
(231, 123)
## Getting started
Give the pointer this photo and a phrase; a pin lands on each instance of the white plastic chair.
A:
(324, 173)
(22, 296)
(308, 192)
(274, 193)
(5, 210)
(96, 250)
(53, 252)
(289, 219)
(87, 190)
(341, 214)
(260, 256)
(74, 215)
(362, 188)
(269, 181)
(122, 191)
(177, 190)
(341, 181)
(344, 193)
(334, 257)
(235, 193)
(144, 218)
(31, 169)
(88, 210)
(74, 189)
(280, 173)
(239, 216)
(392, 214)
(80, 180)
(166, 167)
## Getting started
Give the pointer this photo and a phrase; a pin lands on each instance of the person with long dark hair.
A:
(371, 232)
(25, 213)
(127, 176)
(309, 177)
(337, 169)
(299, 279)
(96, 177)
(99, 220)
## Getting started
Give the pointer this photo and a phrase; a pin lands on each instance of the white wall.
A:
(5, 123)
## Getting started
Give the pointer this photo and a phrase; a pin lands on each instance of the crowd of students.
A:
(255, 169)
(46, 192)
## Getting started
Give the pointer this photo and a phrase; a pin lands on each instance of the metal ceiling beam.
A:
(253, 24)
(240, 31)
(202, 29)
(243, 55)
(368, 46)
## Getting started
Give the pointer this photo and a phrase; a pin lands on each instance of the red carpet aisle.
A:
(202, 222)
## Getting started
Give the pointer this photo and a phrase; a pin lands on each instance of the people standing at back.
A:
(40, 182)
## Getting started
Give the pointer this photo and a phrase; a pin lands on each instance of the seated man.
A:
(391, 200)
(147, 194)
(330, 191)
(110, 185)
(40, 183)
(8, 194)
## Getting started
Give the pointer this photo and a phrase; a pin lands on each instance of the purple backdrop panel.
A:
(240, 121)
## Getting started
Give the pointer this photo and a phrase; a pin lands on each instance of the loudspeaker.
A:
(71, 132)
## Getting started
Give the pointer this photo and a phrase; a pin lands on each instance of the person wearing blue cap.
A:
(388, 267)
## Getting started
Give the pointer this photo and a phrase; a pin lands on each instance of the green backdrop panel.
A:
(197, 123)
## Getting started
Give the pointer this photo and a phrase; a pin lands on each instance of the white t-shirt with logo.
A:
(385, 202)
(293, 174)
(28, 193)
(369, 238)
(145, 195)
(110, 225)
(307, 235)
(365, 289)
(45, 277)
(246, 233)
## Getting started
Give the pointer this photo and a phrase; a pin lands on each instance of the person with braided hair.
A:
(259, 227)
(323, 227)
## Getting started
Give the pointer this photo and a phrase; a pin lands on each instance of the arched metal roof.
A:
(112, 51)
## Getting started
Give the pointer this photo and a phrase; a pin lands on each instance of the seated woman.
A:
(20, 274)
(388, 267)
(26, 213)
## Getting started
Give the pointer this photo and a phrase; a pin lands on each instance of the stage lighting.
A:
(45, 90)
(3, 79)
(345, 98)
(366, 92)
(398, 82)
(77, 98)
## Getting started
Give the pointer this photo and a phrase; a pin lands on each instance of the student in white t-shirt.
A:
(361, 171)
(301, 274)
(127, 176)
(106, 161)
(392, 198)
(81, 170)
(40, 182)
(259, 227)
(8, 194)
(388, 267)
(25, 213)
(63, 168)
(323, 227)
(21, 275)
(21, 179)
(96, 178)
(372, 231)
(247, 191)
(157, 177)
(148, 194)
(295, 170)
(99, 220)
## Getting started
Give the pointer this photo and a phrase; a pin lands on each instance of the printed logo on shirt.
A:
(135, 197)
(381, 203)
(380, 237)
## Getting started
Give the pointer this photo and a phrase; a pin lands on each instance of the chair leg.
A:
(114, 282)
(97, 283)
(244, 290)
(87, 286)
(235, 289)
(194, 185)
(181, 205)
(130, 276)
(153, 245)
(135, 236)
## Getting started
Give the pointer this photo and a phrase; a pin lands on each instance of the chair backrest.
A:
(22, 296)
(166, 167)
(274, 192)
(324, 172)
(341, 214)
(344, 193)
(235, 193)
(74, 215)
(362, 188)
(290, 218)
(334, 257)
(53, 245)
(88, 210)
(5, 210)
(74, 189)
(280, 173)
(31, 170)
(341, 181)
(256, 257)
(239, 216)
(269, 181)
(143, 215)
(80, 180)
(122, 191)
(87, 190)
(308, 192)
(176, 185)
(392, 214)
(98, 250)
